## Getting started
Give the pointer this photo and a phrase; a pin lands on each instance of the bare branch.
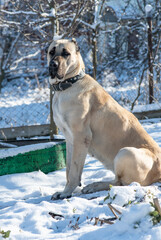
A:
(138, 94)
(11, 50)
(73, 25)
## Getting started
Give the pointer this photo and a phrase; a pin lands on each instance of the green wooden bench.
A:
(47, 159)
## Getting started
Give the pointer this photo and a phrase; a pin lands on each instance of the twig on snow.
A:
(105, 220)
(113, 210)
(157, 205)
(55, 215)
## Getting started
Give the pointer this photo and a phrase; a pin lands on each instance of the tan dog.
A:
(93, 122)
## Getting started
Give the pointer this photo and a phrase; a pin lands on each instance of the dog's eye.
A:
(52, 52)
(65, 53)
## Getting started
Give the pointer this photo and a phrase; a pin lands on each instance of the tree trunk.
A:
(53, 127)
(2, 75)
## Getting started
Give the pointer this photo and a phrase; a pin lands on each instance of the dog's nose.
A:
(53, 64)
(53, 68)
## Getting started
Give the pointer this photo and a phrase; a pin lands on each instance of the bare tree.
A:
(124, 41)
(36, 23)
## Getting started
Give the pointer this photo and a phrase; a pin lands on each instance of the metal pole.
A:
(149, 12)
(150, 60)
(94, 49)
(53, 127)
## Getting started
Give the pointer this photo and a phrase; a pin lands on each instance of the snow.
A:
(25, 203)
(7, 145)
(13, 152)
(148, 107)
(19, 12)
(148, 9)
(21, 105)
(57, 37)
(22, 58)
(52, 13)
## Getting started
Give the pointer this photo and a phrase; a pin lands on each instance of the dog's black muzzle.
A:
(53, 68)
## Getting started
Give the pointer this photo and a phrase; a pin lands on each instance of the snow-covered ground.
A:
(25, 203)
(25, 199)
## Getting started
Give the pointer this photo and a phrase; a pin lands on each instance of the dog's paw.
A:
(90, 188)
(60, 195)
(96, 187)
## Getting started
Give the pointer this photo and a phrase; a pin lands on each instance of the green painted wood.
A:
(46, 160)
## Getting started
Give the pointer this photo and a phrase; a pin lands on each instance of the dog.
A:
(93, 122)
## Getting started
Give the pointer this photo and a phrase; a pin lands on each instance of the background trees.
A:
(112, 36)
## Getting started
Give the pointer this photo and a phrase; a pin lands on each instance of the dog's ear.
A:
(47, 45)
(76, 45)
(46, 48)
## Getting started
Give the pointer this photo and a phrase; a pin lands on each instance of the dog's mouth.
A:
(57, 78)
(60, 77)
(53, 74)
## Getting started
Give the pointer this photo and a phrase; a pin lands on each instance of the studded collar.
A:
(61, 86)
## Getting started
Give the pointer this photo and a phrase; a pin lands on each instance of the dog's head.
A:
(64, 60)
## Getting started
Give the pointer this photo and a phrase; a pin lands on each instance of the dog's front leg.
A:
(69, 151)
(75, 165)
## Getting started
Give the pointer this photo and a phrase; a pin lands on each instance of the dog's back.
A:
(114, 128)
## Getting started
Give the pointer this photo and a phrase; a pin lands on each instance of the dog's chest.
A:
(61, 114)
